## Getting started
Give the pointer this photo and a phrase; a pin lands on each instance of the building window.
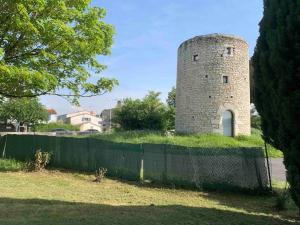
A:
(195, 57)
(86, 119)
(229, 51)
(225, 80)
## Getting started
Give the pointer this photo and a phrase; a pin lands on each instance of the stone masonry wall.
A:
(201, 95)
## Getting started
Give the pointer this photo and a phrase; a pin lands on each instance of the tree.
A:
(170, 114)
(276, 64)
(47, 46)
(171, 100)
(145, 114)
(25, 111)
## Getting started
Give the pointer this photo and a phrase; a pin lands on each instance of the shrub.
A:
(100, 175)
(148, 113)
(256, 122)
(50, 126)
(281, 200)
(41, 160)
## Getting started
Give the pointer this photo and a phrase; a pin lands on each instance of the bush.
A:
(100, 174)
(41, 160)
(50, 126)
(256, 122)
(148, 113)
(282, 200)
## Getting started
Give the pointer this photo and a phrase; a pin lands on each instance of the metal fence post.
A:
(142, 164)
(268, 165)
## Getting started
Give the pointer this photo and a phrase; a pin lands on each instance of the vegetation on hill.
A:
(58, 197)
(276, 64)
(199, 140)
(50, 126)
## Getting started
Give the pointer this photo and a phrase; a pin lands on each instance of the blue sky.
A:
(148, 33)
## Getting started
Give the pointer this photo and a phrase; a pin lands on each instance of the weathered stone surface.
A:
(201, 94)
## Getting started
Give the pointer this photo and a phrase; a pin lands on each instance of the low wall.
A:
(199, 167)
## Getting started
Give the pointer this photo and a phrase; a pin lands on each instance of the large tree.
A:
(146, 114)
(50, 47)
(24, 111)
(276, 64)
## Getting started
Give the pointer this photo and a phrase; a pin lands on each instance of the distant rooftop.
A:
(51, 111)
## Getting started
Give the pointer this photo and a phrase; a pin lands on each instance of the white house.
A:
(84, 119)
(52, 116)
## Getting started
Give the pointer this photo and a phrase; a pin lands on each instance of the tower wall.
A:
(202, 94)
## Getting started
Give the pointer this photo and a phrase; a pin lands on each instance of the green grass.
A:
(68, 198)
(203, 140)
(50, 126)
(11, 165)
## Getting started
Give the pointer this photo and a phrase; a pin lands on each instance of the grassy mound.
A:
(199, 140)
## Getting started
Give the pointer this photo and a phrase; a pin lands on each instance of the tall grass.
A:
(197, 140)
(11, 165)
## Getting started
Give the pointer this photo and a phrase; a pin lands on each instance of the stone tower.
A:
(213, 90)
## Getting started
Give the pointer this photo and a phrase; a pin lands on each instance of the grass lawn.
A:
(68, 198)
(203, 140)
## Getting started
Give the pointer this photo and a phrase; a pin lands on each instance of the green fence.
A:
(199, 167)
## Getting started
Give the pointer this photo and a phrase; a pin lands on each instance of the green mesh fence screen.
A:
(198, 167)
(206, 168)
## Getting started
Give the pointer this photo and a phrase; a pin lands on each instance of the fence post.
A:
(142, 164)
(4, 148)
(165, 172)
(268, 164)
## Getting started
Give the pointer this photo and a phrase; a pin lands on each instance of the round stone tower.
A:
(213, 89)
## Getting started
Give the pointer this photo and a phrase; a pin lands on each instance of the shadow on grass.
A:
(47, 212)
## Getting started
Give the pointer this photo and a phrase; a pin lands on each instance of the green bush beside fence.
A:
(199, 167)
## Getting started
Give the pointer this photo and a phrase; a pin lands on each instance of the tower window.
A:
(229, 51)
(225, 79)
(195, 57)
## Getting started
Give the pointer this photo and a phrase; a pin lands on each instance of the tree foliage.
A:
(170, 114)
(47, 46)
(146, 114)
(27, 111)
(276, 64)
(171, 100)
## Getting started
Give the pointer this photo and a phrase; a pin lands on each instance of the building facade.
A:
(213, 90)
(108, 116)
(84, 119)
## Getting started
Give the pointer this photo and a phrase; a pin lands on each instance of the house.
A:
(84, 119)
(52, 116)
